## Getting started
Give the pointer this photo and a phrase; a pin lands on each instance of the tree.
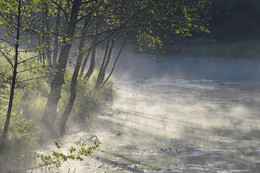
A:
(50, 111)
(16, 18)
(73, 89)
(101, 82)
(148, 20)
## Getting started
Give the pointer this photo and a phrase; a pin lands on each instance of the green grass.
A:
(29, 103)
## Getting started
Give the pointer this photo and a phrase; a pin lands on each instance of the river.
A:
(177, 126)
(182, 115)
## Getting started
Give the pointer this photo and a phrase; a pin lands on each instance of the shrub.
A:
(90, 100)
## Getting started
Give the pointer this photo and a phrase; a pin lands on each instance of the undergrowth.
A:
(31, 94)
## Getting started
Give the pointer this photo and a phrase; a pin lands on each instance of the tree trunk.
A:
(56, 41)
(83, 66)
(73, 89)
(43, 40)
(47, 30)
(113, 67)
(102, 71)
(93, 50)
(92, 60)
(10, 105)
(102, 65)
(50, 112)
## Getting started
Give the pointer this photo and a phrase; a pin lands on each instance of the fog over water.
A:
(183, 114)
(136, 66)
(180, 115)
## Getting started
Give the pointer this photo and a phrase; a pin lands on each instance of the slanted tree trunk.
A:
(50, 112)
(106, 60)
(73, 88)
(92, 60)
(83, 66)
(113, 67)
(103, 62)
(10, 105)
(93, 50)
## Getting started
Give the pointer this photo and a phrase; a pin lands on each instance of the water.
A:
(177, 126)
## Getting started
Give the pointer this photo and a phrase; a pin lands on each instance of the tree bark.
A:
(92, 60)
(113, 67)
(43, 40)
(56, 41)
(93, 50)
(50, 112)
(73, 88)
(106, 60)
(83, 66)
(103, 62)
(47, 30)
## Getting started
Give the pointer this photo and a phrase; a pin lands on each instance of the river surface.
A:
(182, 115)
(176, 126)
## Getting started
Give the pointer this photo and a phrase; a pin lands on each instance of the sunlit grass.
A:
(31, 94)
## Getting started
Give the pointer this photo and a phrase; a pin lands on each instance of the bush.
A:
(30, 98)
(89, 100)
(22, 131)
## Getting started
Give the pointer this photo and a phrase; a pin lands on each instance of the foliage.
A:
(29, 99)
(56, 158)
(148, 22)
(23, 129)
(89, 99)
(31, 85)
(9, 10)
(22, 136)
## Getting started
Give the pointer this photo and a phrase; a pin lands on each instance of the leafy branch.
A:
(56, 158)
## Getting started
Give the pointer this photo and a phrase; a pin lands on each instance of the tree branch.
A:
(34, 68)
(6, 57)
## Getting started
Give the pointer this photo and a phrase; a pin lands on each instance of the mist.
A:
(141, 67)
(130, 86)
(182, 114)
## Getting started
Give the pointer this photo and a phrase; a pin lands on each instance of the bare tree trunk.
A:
(92, 60)
(10, 105)
(106, 59)
(73, 88)
(93, 50)
(50, 112)
(47, 30)
(113, 67)
(40, 43)
(43, 39)
(56, 41)
(83, 66)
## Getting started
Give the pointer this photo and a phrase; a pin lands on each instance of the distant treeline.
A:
(233, 20)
